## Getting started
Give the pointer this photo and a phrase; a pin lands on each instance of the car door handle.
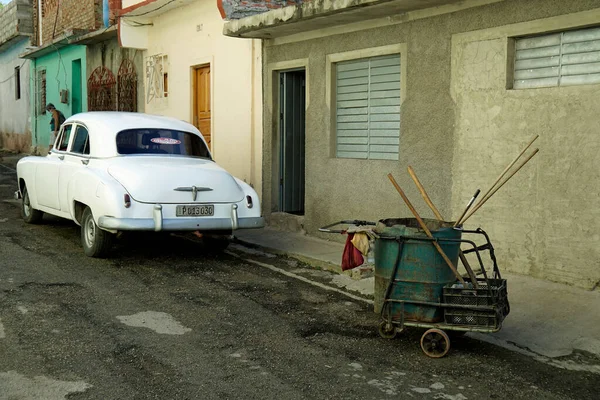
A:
(61, 157)
(85, 162)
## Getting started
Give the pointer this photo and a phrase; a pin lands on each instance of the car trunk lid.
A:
(175, 180)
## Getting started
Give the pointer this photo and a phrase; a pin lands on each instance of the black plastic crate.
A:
(494, 295)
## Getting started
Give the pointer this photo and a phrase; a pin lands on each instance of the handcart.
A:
(417, 290)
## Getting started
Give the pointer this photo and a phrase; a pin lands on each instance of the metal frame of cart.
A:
(458, 302)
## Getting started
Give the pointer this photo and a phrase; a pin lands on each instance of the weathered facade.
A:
(16, 29)
(76, 63)
(59, 16)
(453, 89)
(194, 73)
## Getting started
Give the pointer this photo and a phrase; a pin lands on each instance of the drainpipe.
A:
(105, 13)
(40, 21)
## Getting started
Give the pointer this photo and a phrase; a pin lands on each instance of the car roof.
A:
(114, 121)
(104, 126)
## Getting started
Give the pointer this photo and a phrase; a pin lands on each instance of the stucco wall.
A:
(192, 36)
(545, 219)
(108, 54)
(58, 77)
(15, 131)
(540, 225)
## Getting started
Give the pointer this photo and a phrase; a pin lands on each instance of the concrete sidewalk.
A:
(547, 320)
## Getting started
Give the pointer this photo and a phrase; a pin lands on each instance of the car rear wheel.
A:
(29, 214)
(95, 241)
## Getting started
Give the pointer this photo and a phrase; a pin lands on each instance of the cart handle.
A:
(356, 222)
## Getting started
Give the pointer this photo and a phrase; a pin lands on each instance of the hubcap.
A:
(26, 205)
(90, 232)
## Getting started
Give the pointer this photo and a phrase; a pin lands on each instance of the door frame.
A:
(281, 198)
(271, 136)
(201, 63)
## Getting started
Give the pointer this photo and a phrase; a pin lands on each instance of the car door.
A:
(76, 159)
(47, 172)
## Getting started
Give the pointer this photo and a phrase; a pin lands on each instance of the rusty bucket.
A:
(422, 273)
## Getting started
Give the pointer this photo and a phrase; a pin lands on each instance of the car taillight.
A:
(127, 201)
(249, 201)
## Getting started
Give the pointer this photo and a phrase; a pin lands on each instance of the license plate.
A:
(195, 211)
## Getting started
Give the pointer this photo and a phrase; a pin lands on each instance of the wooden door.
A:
(202, 102)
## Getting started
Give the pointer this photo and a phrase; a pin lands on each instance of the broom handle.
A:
(438, 215)
(413, 175)
(424, 227)
(467, 207)
(482, 202)
(483, 199)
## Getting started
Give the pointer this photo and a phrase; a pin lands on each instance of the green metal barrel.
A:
(422, 272)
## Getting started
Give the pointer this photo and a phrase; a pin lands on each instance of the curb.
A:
(358, 273)
(321, 264)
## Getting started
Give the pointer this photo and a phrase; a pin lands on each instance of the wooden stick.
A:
(438, 215)
(424, 227)
(413, 175)
(484, 200)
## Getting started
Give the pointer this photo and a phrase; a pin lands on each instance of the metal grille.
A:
(156, 77)
(101, 90)
(127, 87)
(40, 87)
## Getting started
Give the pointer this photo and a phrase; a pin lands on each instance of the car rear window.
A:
(161, 141)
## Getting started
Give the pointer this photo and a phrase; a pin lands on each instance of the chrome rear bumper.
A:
(158, 223)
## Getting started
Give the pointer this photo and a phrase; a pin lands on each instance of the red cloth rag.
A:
(352, 257)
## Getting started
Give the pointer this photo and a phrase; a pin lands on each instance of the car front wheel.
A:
(95, 241)
(29, 214)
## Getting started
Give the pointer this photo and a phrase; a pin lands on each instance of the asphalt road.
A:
(166, 319)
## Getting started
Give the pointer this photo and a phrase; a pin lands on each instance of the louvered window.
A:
(559, 59)
(368, 108)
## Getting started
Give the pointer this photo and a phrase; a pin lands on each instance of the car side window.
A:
(81, 142)
(64, 137)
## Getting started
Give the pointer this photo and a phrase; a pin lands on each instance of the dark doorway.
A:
(292, 98)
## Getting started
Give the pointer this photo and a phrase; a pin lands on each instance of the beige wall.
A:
(460, 127)
(191, 36)
(545, 219)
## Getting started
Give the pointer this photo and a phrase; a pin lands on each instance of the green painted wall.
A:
(59, 76)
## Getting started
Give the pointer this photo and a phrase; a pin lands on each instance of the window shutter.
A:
(368, 108)
(560, 59)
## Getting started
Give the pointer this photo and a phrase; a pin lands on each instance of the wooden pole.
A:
(413, 175)
(484, 200)
(438, 215)
(424, 227)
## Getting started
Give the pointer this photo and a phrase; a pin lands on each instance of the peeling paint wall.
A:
(15, 128)
(459, 128)
(236, 9)
(108, 54)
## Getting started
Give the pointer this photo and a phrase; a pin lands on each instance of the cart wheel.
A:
(385, 331)
(435, 343)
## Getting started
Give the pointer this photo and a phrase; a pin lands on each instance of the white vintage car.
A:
(112, 172)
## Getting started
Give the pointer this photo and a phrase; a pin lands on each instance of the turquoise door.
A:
(76, 101)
